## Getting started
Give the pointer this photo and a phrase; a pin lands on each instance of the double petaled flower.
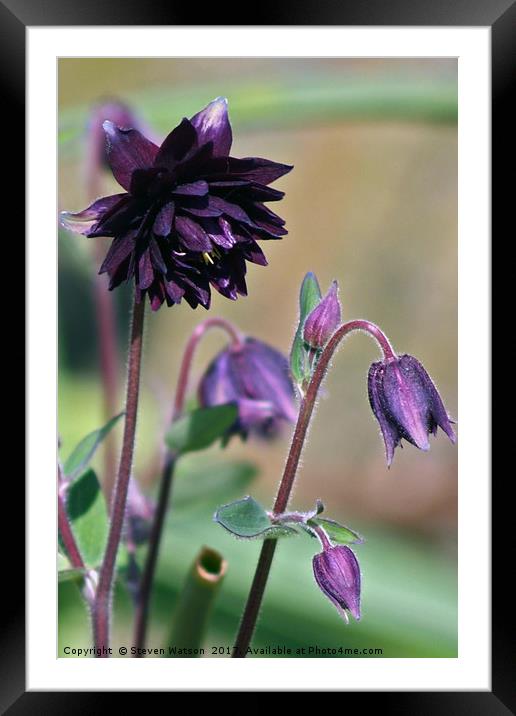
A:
(191, 214)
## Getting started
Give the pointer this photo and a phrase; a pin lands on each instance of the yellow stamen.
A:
(207, 258)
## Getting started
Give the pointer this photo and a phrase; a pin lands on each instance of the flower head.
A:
(337, 573)
(190, 216)
(256, 377)
(406, 403)
(323, 320)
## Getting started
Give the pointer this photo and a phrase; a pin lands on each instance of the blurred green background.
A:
(372, 202)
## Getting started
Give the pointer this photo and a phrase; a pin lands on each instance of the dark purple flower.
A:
(255, 377)
(406, 403)
(337, 573)
(323, 320)
(191, 215)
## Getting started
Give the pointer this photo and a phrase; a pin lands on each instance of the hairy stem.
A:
(145, 590)
(191, 347)
(101, 607)
(254, 600)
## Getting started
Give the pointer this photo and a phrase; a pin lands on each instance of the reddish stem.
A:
(248, 623)
(69, 541)
(65, 530)
(191, 347)
(101, 607)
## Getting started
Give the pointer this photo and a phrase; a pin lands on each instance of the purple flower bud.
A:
(324, 319)
(406, 403)
(256, 377)
(337, 573)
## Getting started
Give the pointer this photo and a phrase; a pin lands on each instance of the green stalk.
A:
(195, 604)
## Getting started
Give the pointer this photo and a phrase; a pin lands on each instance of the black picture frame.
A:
(500, 16)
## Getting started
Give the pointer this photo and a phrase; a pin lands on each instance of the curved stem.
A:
(101, 607)
(191, 347)
(308, 402)
(144, 592)
(322, 537)
(248, 622)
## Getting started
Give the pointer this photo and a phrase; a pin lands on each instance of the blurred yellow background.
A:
(371, 202)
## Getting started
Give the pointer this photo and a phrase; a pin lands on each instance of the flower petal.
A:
(216, 233)
(267, 377)
(177, 145)
(163, 221)
(192, 234)
(232, 210)
(82, 221)
(405, 400)
(390, 434)
(212, 125)
(157, 257)
(145, 271)
(437, 409)
(126, 151)
(254, 254)
(196, 188)
(255, 169)
(118, 252)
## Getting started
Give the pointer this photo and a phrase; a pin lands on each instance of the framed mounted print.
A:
(258, 354)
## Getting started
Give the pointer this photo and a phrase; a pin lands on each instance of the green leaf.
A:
(69, 575)
(201, 428)
(62, 562)
(309, 297)
(246, 518)
(86, 509)
(82, 454)
(336, 532)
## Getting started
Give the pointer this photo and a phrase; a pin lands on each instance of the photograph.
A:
(257, 318)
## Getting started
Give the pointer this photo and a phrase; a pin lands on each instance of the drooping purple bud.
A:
(324, 319)
(406, 403)
(256, 377)
(337, 573)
